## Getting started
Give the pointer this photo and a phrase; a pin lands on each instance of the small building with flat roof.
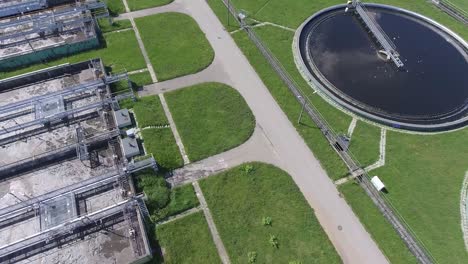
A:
(130, 147)
(122, 118)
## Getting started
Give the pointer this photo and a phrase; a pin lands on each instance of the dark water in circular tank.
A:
(432, 84)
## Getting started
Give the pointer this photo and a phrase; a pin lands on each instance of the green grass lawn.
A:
(161, 143)
(290, 13)
(155, 189)
(120, 52)
(140, 79)
(137, 81)
(461, 4)
(294, 13)
(105, 26)
(181, 199)
(211, 118)
(242, 197)
(116, 7)
(161, 201)
(187, 240)
(424, 176)
(389, 241)
(175, 44)
(143, 4)
(365, 143)
(149, 112)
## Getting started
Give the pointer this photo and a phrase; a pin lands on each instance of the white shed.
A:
(378, 184)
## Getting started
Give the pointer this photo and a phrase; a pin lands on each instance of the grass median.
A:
(175, 44)
(211, 118)
(260, 213)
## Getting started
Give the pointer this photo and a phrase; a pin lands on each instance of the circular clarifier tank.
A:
(343, 61)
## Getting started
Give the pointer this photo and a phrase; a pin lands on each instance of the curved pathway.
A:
(290, 152)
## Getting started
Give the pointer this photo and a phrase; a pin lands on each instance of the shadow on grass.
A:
(156, 249)
(307, 125)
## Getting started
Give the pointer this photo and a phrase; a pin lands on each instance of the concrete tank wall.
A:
(48, 54)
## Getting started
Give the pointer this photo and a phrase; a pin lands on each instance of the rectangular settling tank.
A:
(45, 35)
(16, 7)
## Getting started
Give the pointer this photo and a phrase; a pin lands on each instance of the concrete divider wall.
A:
(45, 74)
(48, 54)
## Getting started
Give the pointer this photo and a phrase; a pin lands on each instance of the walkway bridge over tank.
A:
(377, 32)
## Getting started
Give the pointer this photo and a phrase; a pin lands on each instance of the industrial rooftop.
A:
(63, 175)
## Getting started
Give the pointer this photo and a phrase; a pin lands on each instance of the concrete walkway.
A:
(213, 73)
(211, 225)
(150, 68)
(257, 148)
(179, 216)
(351, 240)
(175, 132)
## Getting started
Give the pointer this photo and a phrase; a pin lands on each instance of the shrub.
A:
(252, 257)
(156, 191)
(274, 241)
(248, 168)
(267, 221)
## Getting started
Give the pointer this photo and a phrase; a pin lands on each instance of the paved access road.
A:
(288, 149)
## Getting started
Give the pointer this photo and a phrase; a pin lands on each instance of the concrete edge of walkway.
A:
(211, 225)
